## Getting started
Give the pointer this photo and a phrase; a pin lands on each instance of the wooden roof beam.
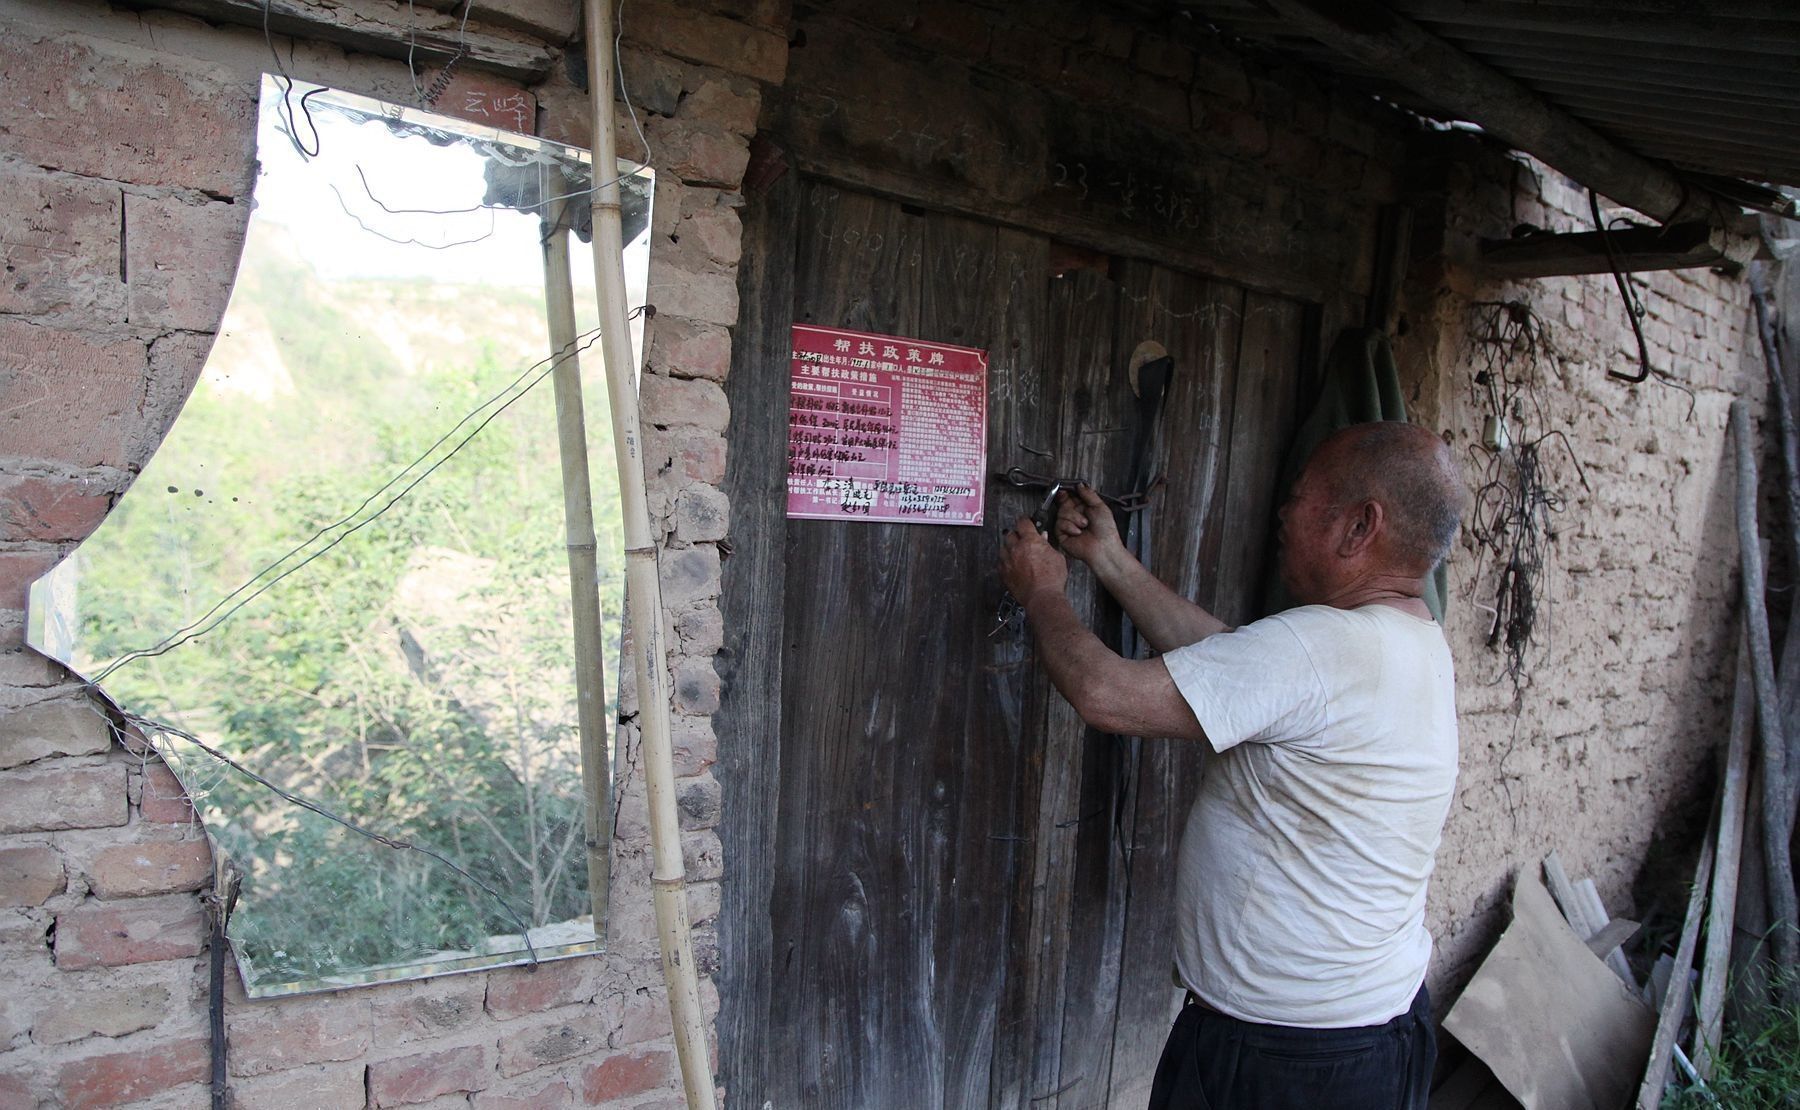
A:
(384, 28)
(1633, 250)
(1442, 74)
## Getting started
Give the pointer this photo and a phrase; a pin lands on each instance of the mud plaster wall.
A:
(126, 154)
(1611, 744)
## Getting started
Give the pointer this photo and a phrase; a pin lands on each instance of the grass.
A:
(1754, 1071)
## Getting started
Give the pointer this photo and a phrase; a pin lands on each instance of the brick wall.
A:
(1610, 746)
(125, 163)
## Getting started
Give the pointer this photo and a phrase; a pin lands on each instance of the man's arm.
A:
(1126, 697)
(1164, 618)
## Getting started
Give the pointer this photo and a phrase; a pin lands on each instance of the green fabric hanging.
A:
(1361, 384)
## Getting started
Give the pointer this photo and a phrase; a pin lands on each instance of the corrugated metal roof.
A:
(1703, 86)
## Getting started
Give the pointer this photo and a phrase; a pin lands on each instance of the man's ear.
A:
(1362, 523)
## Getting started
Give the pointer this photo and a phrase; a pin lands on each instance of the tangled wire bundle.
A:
(1511, 522)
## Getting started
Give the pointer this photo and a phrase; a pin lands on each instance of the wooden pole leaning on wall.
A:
(643, 589)
(1676, 997)
(1709, 1014)
(1783, 406)
(1773, 746)
(584, 570)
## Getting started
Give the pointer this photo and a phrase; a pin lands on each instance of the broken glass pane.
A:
(344, 569)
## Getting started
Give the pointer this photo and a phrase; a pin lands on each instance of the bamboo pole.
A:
(584, 571)
(1709, 1020)
(643, 589)
(1775, 823)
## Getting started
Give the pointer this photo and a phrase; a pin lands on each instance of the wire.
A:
(541, 203)
(207, 621)
(392, 211)
(412, 46)
(409, 242)
(150, 725)
(428, 98)
(624, 93)
(1511, 518)
(442, 80)
(286, 110)
(637, 128)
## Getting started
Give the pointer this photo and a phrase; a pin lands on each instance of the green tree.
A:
(416, 678)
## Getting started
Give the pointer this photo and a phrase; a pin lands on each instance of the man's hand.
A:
(1085, 524)
(1029, 565)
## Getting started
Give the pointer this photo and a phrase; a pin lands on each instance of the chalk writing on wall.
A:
(494, 102)
(1158, 201)
(881, 427)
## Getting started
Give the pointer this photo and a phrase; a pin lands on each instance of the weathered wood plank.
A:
(1021, 414)
(871, 114)
(1580, 904)
(1568, 899)
(384, 28)
(1635, 250)
(935, 802)
(1673, 1011)
(748, 722)
(1081, 316)
(1393, 250)
(900, 755)
(1266, 410)
(975, 743)
(1202, 327)
(1709, 1008)
(849, 963)
(1448, 77)
(1098, 427)
(1199, 322)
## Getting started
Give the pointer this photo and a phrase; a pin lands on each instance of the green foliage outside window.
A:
(417, 678)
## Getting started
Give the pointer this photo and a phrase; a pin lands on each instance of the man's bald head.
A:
(1411, 473)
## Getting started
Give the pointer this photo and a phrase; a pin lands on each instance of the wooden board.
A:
(1020, 406)
(1557, 1028)
(852, 972)
(900, 765)
(877, 114)
(1199, 322)
(976, 767)
(1265, 412)
(1079, 311)
(1095, 442)
(943, 889)
(749, 720)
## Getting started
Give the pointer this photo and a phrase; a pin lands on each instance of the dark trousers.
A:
(1215, 1062)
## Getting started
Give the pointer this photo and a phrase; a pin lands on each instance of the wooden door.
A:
(942, 889)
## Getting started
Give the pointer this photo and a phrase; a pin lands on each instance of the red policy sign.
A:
(881, 427)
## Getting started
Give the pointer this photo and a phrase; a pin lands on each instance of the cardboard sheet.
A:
(1558, 1028)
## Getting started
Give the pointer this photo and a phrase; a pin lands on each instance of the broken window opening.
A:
(345, 566)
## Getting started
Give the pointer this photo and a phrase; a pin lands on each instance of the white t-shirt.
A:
(1300, 888)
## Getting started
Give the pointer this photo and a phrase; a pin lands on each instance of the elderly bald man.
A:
(1301, 881)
